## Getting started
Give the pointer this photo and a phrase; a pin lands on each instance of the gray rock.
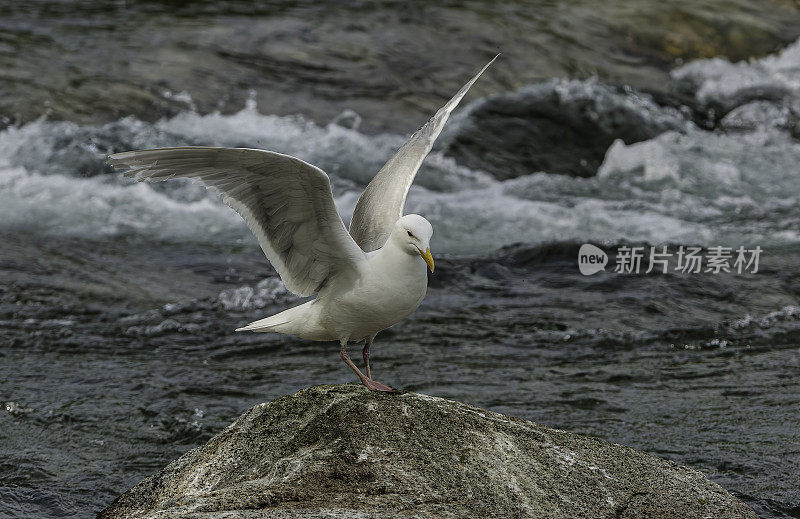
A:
(341, 451)
(560, 126)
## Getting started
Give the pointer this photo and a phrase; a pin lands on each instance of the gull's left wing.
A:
(381, 203)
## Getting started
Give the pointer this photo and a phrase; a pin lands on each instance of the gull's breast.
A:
(377, 303)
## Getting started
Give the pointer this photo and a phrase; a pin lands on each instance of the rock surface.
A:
(341, 451)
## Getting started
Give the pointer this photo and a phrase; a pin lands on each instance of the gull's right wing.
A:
(286, 202)
(381, 203)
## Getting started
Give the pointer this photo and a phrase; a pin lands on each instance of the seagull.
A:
(366, 280)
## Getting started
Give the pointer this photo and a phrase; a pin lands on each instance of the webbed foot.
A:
(377, 386)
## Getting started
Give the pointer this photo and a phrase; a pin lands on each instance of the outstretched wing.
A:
(381, 203)
(286, 202)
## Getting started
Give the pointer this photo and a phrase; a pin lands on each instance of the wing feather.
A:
(381, 203)
(286, 202)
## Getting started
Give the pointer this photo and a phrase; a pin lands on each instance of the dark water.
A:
(118, 301)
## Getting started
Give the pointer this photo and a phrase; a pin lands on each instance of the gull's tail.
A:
(300, 321)
(279, 323)
(267, 324)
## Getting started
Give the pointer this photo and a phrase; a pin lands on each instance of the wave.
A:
(721, 85)
(658, 177)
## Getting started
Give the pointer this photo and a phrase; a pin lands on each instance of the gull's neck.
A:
(392, 258)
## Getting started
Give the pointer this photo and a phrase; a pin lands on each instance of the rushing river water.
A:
(118, 300)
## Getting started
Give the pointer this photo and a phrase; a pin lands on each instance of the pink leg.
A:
(371, 384)
(365, 353)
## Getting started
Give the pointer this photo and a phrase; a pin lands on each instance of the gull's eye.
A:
(409, 233)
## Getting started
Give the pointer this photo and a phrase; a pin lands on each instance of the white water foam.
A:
(719, 81)
(687, 185)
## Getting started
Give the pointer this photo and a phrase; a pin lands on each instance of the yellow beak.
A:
(427, 256)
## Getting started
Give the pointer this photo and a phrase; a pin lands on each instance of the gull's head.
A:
(413, 233)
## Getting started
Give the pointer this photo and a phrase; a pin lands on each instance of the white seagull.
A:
(366, 280)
